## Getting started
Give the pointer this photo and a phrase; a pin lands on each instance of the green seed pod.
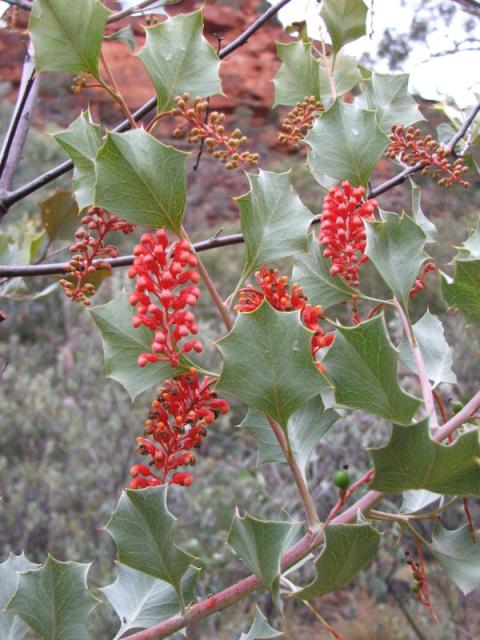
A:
(342, 479)
(415, 587)
(457, 406)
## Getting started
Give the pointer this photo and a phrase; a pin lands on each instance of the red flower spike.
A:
(176, 424)
(342, 231)
(406, 144)
(166, 285)
(275, 289)
(90, 246)
(420, 281)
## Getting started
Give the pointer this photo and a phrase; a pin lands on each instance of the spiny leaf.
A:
(463, 292)
(67, 36)
(345, 20)
(141, 180)
(260, 629)
(395, 246)
(458, 555)
(122, 344)
(141, 601)
(345, 75)
(298, 76)
(428, 228)
(54, 600)
(11, 626)
(436, 352)
(470, 250)
(261, 543)
(346, 144)
(305, 428)
(268, 362)
(274, 220)
(349, 548)
(412, 460)
(81, 141)
(312, 272)
(142, 527)
(362, 362)
(60, 215)
(387, 93)
(179, 59)
(417, 499)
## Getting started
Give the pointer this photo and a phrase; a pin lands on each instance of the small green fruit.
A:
(342, 479)
(415, 587)
(457, 406)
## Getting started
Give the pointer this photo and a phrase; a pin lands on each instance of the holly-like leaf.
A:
(142, 527)
(345, 75)
(345, 20)
(260, 629)
(312, 272)
(412, 460)
(416, 500)
(125, 35)
(428, 228)
(141, 601)
(463, 292)
(348, 549)
(261, 543)
(122, 344)
(436, 352)
(362, 362)
(60, 215)
(11, 626)
(387, 93)
(298, 76)
(470, 250)
(268, 362)
(346, 144)
(141, 180)
(81, 141)
(458, 555)
(395, 246)
(67, 36)
(54, 600)
(274, 220)
(305, 428)
(179, 59)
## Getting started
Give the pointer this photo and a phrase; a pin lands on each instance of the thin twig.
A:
(10, 198)
(21, 4)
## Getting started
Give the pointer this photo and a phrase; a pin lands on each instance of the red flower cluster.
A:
(162, 295)
(411, 149)
(420, 582)
(275, 289)
(300, 120)
(176, 424)
(90, 246)
(420, 281)
(342, 231)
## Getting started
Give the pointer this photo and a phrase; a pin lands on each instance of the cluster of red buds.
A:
(299, 121)
(342, 231)
(407, 145)
(419, 284)
(90, 246)
(162, 295)
(176, 424)
(284, 297)
(210, 127)
(420, 582)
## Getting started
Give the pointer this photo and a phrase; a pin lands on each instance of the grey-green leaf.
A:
(345, 20)
(362, 362)
(346, 144)
(387, 93)
(412, 460)
(345, 75)
(305, 428)
(436, 352)
(428, 228)
(179, 59)
(261, 543)
(67, 36)
(268, 362)
(142, 527)
(417, 499)
(54, 600)
(458, 555)
(274, 220)
(348, 549)
(141, 601)
(395, 246)
(81, 141)
(60, 215)
(122, 344)
(298, 75)
(141, 180)
(260, 629)
(463, 292)
(11, 626)
(312, 272)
